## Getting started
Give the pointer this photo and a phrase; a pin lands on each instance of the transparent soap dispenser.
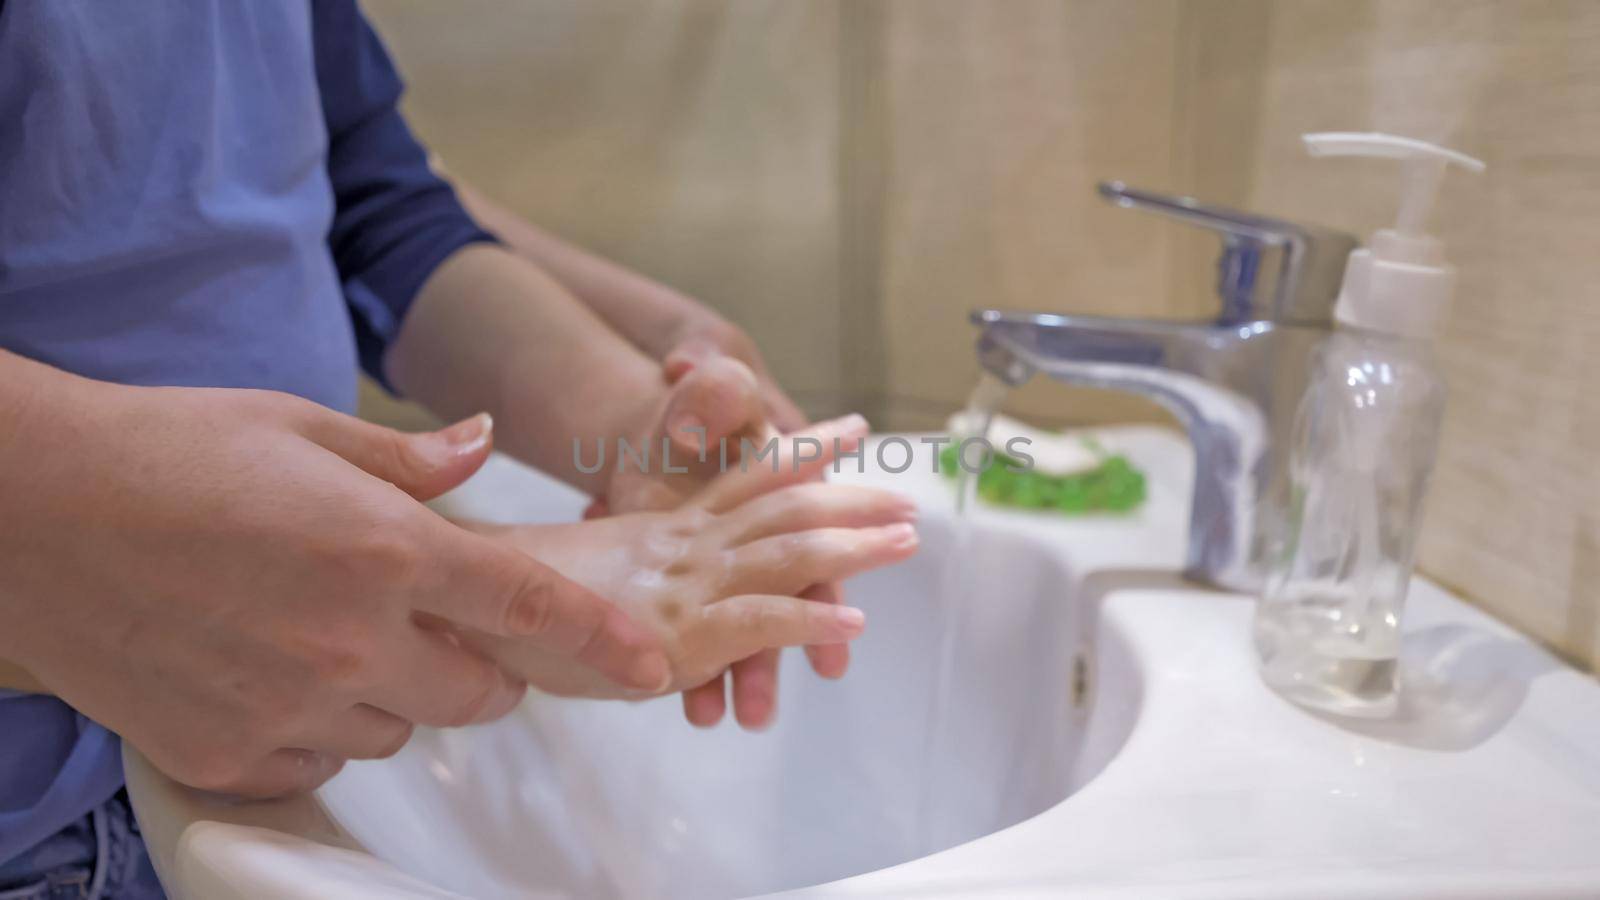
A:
(1328, 625)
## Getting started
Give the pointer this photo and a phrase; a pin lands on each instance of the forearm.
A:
(660, 321)
(651, 315)
(491, 331)
(26, 389)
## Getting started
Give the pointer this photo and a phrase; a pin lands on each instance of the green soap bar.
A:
(1113, 486)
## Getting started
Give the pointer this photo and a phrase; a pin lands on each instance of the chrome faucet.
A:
(1234, 382)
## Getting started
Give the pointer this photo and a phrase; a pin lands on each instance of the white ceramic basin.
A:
(602, 799)
(1102, 736)
(626, 800)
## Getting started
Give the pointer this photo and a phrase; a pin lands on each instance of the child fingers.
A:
(705, 705)
(755, 689)
(788, 563)
(462, 687)
(718, 398)
(816, 504)
(744, 625)
(827, 660)
(688, 355)
(785, 460)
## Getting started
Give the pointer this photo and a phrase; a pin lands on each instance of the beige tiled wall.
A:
(695, 140)
(998, 119)
(848, 177)
(844, 179)
(1514, 517)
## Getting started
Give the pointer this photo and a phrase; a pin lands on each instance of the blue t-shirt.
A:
(196, 192)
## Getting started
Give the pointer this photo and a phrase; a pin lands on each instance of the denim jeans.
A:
(99, 857)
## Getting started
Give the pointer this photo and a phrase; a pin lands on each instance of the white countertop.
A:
(1488, 787)
(1487, 784)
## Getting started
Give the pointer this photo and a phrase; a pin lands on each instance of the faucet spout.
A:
(1233, 387)
(1234, 382)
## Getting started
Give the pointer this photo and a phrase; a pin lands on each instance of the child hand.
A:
(715, 404)
(709, 408)
(716, 579)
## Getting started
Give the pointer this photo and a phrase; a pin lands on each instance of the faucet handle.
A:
(1310, 258)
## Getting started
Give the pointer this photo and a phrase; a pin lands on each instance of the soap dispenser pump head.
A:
(1400, 282)
(1424, 167)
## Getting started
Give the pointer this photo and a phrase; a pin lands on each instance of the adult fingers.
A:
(280, 773)
(811, 505)
(360, 732)
(781, 462)
(479, 583)
(423, 465)
(444, 684)
(789, 563)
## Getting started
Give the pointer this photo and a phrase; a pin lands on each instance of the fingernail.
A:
(468, 435)
(855, 423)
(651, 673)
(907, 512)
(850, 618)
(901, 534)
(318, 762)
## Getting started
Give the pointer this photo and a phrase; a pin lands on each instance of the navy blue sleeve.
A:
(394, 220)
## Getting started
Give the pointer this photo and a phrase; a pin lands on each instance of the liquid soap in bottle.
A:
(1328, 625)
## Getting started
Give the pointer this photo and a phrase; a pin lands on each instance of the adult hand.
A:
(245, 586)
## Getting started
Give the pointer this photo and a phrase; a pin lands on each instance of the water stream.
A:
(956, 589)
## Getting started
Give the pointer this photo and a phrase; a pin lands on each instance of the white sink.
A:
(1104, 735)
(617, 800)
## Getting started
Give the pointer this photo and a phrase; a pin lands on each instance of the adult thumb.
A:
(716, 400)
(424, 465)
